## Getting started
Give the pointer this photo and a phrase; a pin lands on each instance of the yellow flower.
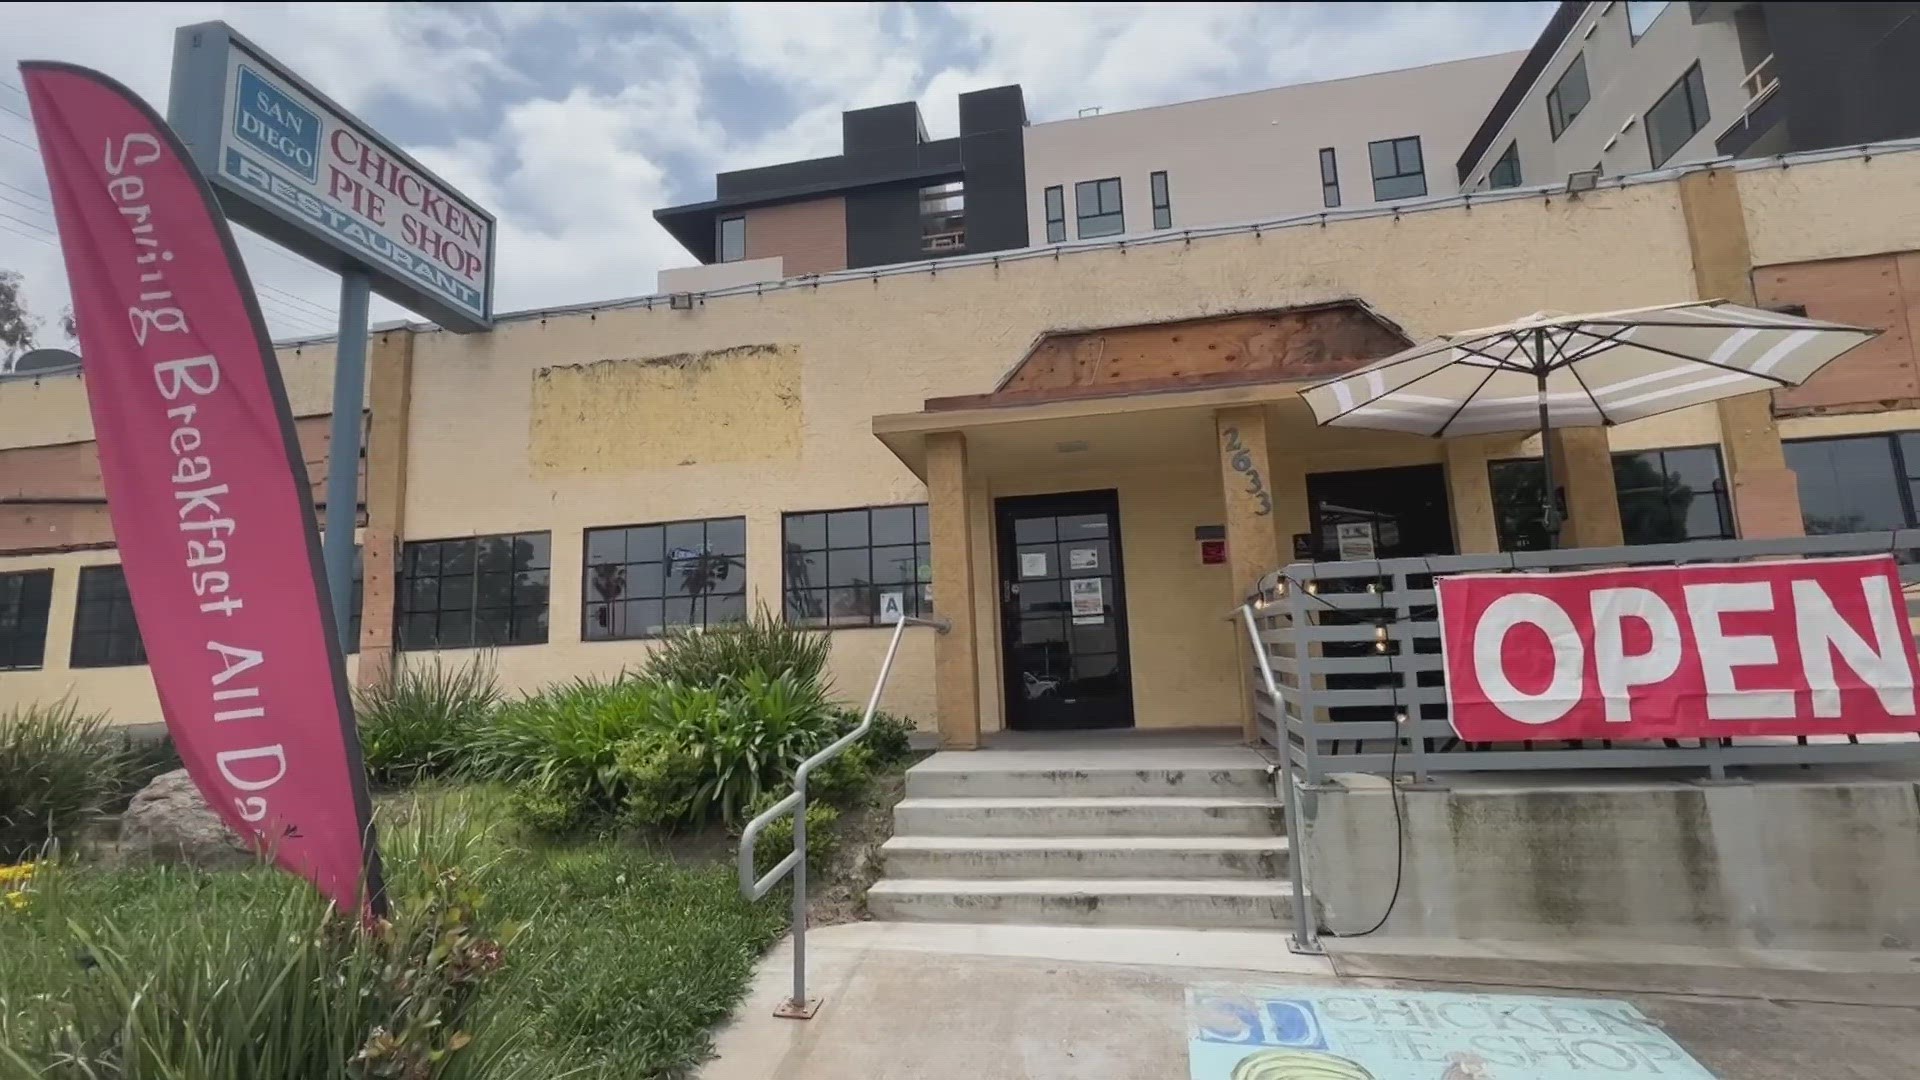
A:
(17, 900)
(9, 874)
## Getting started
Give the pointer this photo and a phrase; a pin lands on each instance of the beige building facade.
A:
(769, 445)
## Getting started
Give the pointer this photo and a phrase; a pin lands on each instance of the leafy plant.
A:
(890, 737)
(60, 769)
(764, 643)
(743, 737)
(560, 748)
(415, 723)
(776, 840)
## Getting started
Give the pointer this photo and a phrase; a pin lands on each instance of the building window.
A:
(851, 567)
(1640, 15)
(943, 217)
(642, 580)
(1569, 97)
(1398, 172)
(1674, 494)
(733, 239)
(1664, 496)
(1506, 171)
(474, 591)
(1097, 204)
(1858, 483)
(1674, 119)
(1056, 214)
(24, 599)
(1329, 177)
(1162, 201)
(104, 631)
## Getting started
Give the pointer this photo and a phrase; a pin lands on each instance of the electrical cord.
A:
(1384, 616)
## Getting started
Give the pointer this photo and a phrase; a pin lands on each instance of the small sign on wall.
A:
(1033, 564)
(892, 605)
(1213, 543)
(1355, 539)
(1089, 601)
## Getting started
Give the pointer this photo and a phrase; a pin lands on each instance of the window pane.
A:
(1673, 120)
(892, 525)
(894, 564)
(456, 557)
(643, 618)
(1516, 504)
(1162, 218)
(599, 622)
(1380, 156)
(1407, 151)
(456, 593)
(686, 539)
(1641, 13)
(924, 552)
(1158, 183)
(646, 543)
(1569, 96)
(733, 239)
(727, 536)
(646, 579)
(920, 522)
(1847, 485)
(532, 551)
(1056, 231)
(492, 626)
(727, 608)
(848, 567)
(856, 606)
(1329, 166)
(808, 607)
(1506, 171)
(529, 626)
(1056, 205)
(423, 558)
(1109, 196)
(806, 569)
(494, 590)
(606, 546)
(1101, 225)
(1404, 187)
(847, 529)
(807, 532)
(494, 553)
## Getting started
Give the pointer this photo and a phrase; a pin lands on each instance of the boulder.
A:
(168, 822)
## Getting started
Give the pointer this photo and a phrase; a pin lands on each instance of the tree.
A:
(17, 324)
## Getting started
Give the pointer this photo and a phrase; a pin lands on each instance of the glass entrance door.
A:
(1063, 612)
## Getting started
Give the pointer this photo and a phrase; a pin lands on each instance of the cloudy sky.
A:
(573, 122)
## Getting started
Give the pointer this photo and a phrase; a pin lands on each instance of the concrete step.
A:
(1136, 857)
(1197, 772)
(1117, 902)
(1088, 816)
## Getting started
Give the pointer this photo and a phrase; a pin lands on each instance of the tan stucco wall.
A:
(1832, 209)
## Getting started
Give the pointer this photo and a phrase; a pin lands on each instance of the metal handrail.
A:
(799, 1007)
(1303, 940)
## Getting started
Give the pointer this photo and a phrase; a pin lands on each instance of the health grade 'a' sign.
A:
(292, 165)
(1801, 647)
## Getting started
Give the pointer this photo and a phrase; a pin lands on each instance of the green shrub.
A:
(844, 779)
(776, 840)
(890, 737)
(717, 748)
(143, 758)
(250, 974)
(560, 748)
(415, 723)
(765, 643)
(60, 769)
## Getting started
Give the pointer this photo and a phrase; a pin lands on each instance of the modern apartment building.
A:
(1378, 138)
(1624, 87)
(892, 195)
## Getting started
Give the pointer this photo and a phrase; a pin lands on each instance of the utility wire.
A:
(22, 145)
(28, 207)
(16, 112)
(26, 236)
(42, 229)
(24, 191)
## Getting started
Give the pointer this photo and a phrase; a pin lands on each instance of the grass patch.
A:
(615, 961)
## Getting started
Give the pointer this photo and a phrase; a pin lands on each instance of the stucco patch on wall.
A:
(720, 406)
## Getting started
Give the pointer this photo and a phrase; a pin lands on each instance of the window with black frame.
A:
(1399, 170)
(642, 580)
(1679, 114)
(104, 631)
(1672, 494)
(1665, 496)
(1505, 172)
(474, 591)
(1569, 97)
(1097, 205)
(1857, 483)
(853, 567)
(25, 597)
(1056, 206)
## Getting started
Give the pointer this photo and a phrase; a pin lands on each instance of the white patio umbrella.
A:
(1551, 370)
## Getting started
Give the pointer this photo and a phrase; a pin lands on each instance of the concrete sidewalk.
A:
(962, 1002)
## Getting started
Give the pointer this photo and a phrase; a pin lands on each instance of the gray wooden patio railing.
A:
(1353, 649)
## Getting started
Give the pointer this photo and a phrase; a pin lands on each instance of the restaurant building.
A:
(1038, 445)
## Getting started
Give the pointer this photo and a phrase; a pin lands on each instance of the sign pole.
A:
(343, 449)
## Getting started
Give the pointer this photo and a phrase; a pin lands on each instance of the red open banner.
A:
(1811, 647)
(206, 485)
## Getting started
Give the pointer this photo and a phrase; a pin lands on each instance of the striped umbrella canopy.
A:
(1551, 370)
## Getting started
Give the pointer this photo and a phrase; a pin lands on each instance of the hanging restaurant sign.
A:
(1807, 647)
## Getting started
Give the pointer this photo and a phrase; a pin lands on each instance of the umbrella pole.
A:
(1549, 513)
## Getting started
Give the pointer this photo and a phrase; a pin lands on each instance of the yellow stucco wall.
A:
(490, 451)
